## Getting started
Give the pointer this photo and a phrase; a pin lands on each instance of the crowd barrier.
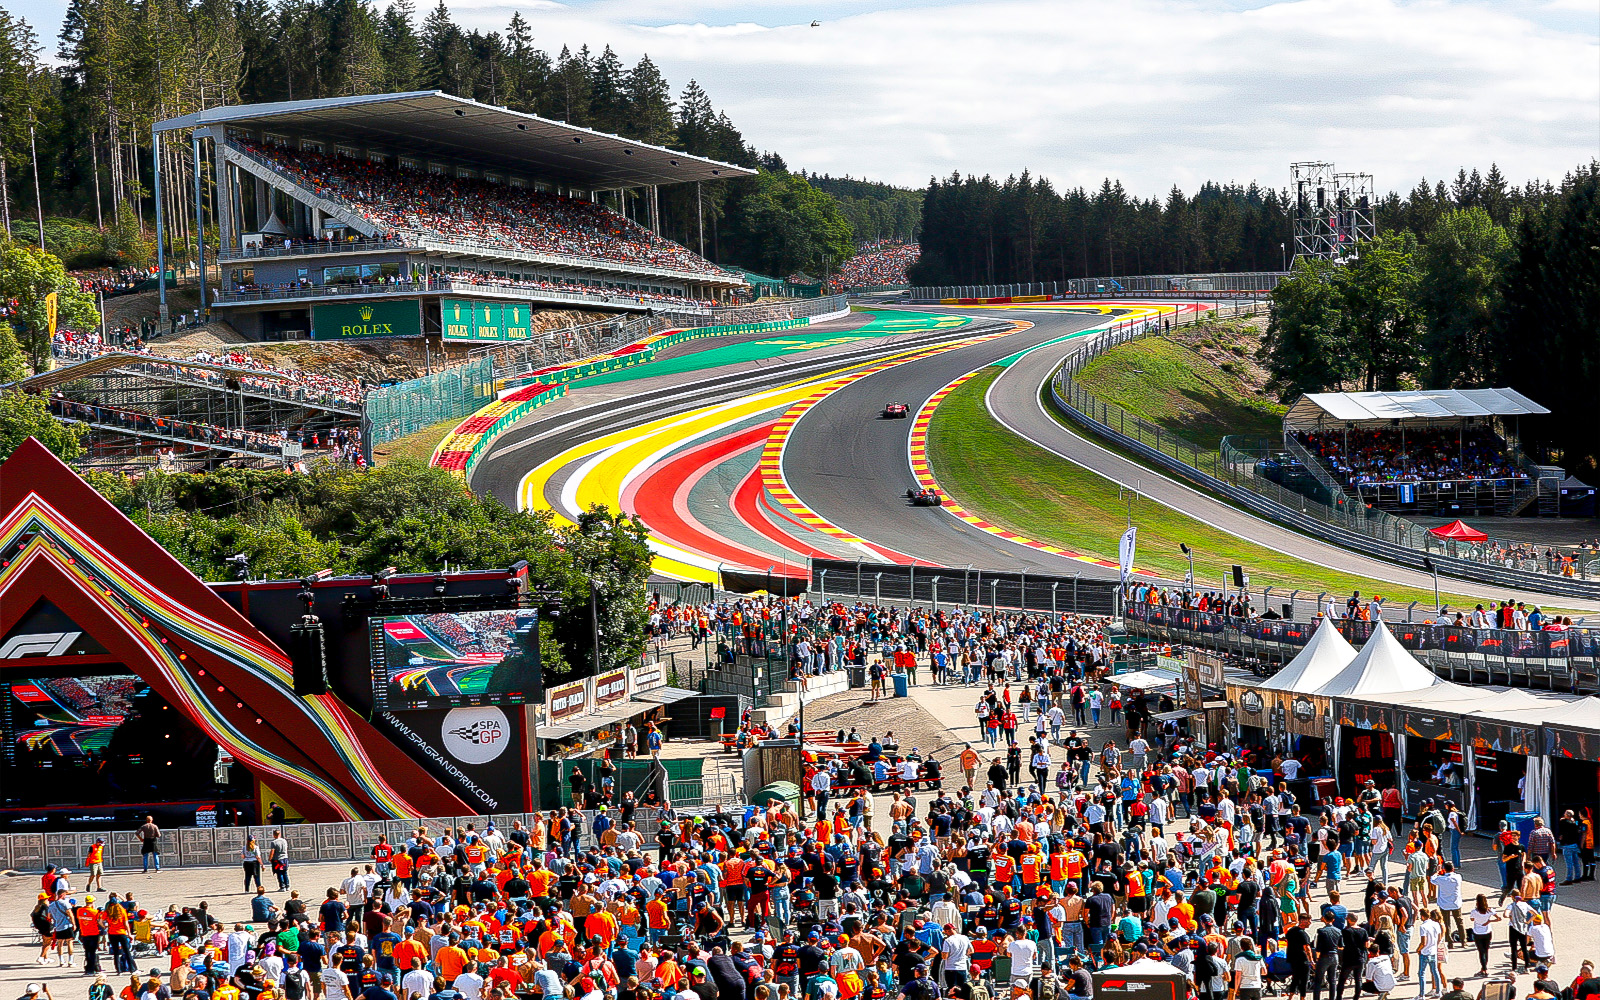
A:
(393, 411)
(202, 847)
(1564, 644)
(957, 586)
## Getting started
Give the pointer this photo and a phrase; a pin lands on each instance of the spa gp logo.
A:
(476, 735)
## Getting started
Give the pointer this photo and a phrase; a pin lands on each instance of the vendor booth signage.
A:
(1577, 744)
(1360, 715)
(1252, 708)
(1497, 737)
(568, 700)
(610, 687)
(1426, 726)
(1305, 715)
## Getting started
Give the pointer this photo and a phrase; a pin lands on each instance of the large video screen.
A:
(452, 660)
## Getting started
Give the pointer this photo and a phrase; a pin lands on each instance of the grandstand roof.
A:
(431, 123)
(1372, 408)
(114, 360)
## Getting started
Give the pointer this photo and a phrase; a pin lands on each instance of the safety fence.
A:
(833, 579)
(393, 411)
(1557, 660)
(1187, 286)
(309, 843)
(1238, 475)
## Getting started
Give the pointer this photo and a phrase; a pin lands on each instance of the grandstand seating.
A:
(419, 204)
(1428, 470)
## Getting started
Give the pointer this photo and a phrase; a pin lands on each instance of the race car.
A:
(895, 411)
(924, 498)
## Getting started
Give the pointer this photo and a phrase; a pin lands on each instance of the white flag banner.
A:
(1125, 552)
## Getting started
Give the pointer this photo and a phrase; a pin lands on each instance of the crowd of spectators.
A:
(1367, 457)
(114, 281)
(417, 203)
(339, 445)
(881, 262)
(297, 384)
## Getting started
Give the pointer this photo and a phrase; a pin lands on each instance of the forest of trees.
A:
(1461, 299)
(126, 64)
(982, 231)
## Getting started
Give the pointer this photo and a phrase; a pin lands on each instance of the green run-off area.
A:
(781, 344)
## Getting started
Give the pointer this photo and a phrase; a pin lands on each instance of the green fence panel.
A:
(407, 407)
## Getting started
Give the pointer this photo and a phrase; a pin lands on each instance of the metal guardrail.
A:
(309, 843)
(1174, 285)
(1380, 534)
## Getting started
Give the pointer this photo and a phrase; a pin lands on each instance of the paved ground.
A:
(937, 719)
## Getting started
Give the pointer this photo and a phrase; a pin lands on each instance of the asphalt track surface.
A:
(590, 412)
(852, 466)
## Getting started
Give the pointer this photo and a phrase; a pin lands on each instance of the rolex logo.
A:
(458, 312)
(366, 314)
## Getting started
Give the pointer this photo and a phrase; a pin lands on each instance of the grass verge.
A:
(1010, 481)
(1201, 395)
(419, 445)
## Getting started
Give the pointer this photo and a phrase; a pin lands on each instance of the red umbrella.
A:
(1459, 531)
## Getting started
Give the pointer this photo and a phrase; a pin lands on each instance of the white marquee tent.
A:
(1318, 662)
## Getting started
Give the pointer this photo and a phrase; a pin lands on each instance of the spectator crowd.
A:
(436, 206)
(1365, 457)
(881, 262)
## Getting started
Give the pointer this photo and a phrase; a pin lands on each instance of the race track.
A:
(759, 453)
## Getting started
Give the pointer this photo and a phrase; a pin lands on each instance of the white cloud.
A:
(1154, 92)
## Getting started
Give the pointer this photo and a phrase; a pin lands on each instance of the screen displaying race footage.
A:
(451, 660)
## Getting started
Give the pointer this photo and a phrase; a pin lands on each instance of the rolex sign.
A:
(347, 320)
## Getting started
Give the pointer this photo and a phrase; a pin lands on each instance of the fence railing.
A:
(1562, 659)
(833, 579)
(1503, 562)
(1175, 285)
(309, 843)
(393, 411)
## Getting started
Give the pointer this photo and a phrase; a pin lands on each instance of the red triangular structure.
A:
(62, 542)
(1460, 531)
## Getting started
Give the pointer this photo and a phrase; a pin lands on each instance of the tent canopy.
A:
(1318, 661)
(1373, 409)
(1382, 667)
(1146, 680)
(1460, 531)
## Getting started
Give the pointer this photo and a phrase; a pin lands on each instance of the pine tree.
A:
(402, 52)
(649, 101)
(608, 102)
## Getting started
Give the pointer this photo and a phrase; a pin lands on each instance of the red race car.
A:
(896, 411)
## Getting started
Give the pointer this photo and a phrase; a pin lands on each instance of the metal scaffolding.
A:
(1334, 213)
(140, 415)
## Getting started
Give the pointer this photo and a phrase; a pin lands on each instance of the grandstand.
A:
(424, 214)
(1449, 452)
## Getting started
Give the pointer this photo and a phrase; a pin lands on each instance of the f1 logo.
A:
(38, 644)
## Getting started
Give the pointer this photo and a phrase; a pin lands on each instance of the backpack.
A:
(294, 986)
(979, 989)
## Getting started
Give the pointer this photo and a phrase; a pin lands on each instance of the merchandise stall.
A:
(1298, 716)
(1365, 737)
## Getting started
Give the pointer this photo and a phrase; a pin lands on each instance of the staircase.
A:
(257, 167)
(785, 704)
(1324, 475)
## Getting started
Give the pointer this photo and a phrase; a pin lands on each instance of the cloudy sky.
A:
(1154, 92)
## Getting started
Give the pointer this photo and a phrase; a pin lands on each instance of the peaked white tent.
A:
(1320, 661)
(1382, 667)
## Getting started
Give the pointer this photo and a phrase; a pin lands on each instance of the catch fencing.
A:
(393, 411)
(833, 579)
(1186, 286)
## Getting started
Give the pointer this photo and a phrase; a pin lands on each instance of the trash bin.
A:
(901, 688)
(1522, 822)
(858, 676)
(1324, 789)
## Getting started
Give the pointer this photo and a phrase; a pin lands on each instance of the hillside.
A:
(1202, 382)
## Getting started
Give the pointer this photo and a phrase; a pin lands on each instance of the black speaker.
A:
(308, 652)
(1238, 576)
